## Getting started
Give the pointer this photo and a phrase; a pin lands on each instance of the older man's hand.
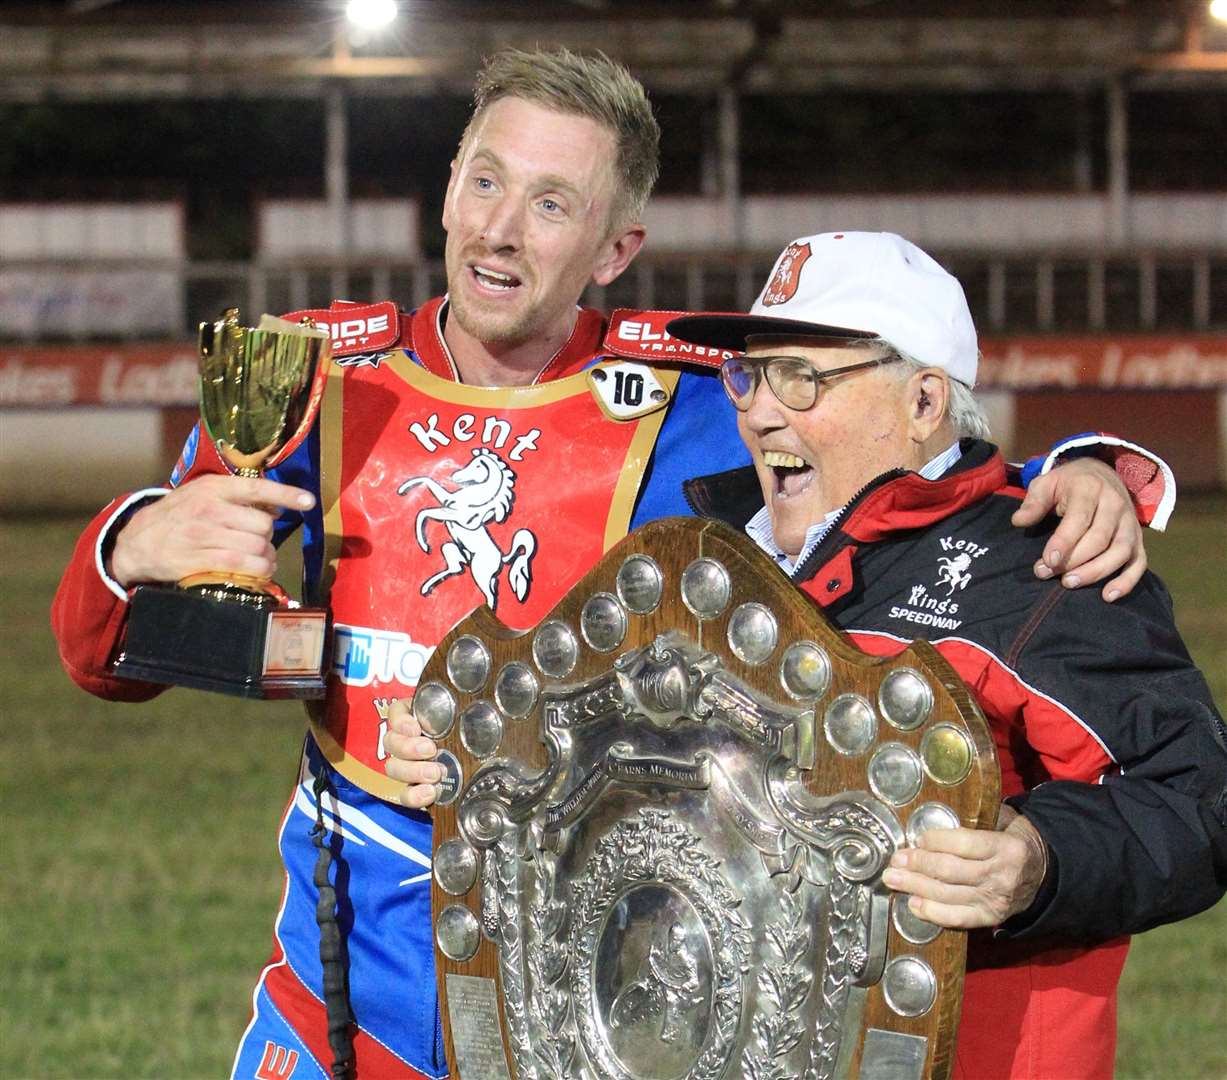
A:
(1099, 532)
(411, 757)
(968, 878)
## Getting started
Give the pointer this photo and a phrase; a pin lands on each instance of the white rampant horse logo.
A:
(954, 572)
(485, 494)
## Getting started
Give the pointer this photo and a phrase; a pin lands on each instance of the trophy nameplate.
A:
(260, 391)
(660, 841)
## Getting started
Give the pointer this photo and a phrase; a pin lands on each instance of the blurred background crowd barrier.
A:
(166, 160)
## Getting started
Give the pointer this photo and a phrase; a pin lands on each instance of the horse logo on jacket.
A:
(485, 494)
(954, 572)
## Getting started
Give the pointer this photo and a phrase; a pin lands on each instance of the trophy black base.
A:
(183, 638)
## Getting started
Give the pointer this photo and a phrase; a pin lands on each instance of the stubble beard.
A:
(491, 328)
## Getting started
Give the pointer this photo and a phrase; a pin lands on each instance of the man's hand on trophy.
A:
(411, 757)
(1099, 532)
(968, 878)
(220, 523)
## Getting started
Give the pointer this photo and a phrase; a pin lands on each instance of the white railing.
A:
(1066, 291)
(992, 224)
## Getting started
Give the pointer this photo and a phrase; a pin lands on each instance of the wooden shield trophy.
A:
(659, 849)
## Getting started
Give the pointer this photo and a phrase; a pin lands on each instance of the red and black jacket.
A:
(1108, 737)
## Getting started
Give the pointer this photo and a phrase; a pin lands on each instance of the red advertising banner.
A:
(121, 374)
(1106, 362)
(165, 374)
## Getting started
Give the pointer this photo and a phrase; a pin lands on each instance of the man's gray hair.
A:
(964, 410)
(591, 86)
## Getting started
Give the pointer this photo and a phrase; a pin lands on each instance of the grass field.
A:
(143, 873)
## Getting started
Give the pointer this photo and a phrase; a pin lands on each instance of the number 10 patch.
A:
(627, 391)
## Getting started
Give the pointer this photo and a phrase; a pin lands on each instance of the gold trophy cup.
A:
(260, 391)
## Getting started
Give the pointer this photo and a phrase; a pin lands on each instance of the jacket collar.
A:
(434, 355)
(889, 503)
(908, 501)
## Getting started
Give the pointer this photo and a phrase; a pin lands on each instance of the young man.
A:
(855, 403)
(484, 387)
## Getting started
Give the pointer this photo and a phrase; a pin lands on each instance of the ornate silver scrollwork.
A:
(645, 893)
(654, 855)
(785, 982)
(505, 914)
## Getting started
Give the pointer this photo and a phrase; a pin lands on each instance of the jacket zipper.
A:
(806, 569)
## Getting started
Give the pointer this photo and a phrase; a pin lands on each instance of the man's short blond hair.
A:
(591, 86)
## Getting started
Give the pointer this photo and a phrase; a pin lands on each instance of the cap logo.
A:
(783, 284)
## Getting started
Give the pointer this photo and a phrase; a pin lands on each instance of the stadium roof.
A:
(110, 49)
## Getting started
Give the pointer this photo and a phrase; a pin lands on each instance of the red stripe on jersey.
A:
(581, 345)
(428, 343)
(305, 1013)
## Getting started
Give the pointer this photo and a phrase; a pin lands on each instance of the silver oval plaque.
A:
(706, 588)
(930, 815)
(905, 698)
(457, 932)
(655, 923)
(895, 773)
(805, 671)
(481, 729)
(640, 584)
(603, 622)
(555, 649)
(753, 633)
(515, 690)
(909, 986)
(455, 867)
(910, 925)
(468, 664)
(850, 724)
(434, 708)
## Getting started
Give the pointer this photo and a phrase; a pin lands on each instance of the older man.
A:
(873, 489)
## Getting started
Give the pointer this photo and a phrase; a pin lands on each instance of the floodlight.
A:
(371, 14)
(1218, 10)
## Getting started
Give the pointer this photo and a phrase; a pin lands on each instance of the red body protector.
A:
(439, 497)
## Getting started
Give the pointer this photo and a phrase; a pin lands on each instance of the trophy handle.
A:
(318, 381)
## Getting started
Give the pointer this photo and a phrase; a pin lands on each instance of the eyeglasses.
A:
(793, 380)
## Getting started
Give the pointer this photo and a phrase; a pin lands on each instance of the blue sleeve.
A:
(1085, 444)
(699, 436)
(301, 469)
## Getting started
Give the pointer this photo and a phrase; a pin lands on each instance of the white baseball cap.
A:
(854, 285)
